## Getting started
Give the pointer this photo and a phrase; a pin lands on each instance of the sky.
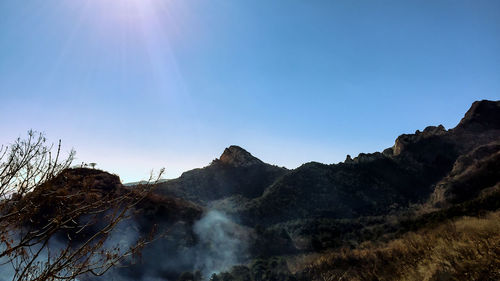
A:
(135, 85)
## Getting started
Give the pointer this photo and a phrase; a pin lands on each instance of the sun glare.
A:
(130, 31)
(124, 11)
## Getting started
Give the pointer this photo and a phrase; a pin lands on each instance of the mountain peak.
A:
(238, 157)
(483, 114)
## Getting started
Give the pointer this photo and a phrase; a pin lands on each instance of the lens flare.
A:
(137, 30)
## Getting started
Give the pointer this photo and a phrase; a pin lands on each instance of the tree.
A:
(51, 230)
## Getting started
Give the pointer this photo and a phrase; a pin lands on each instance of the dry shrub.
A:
(465, 249)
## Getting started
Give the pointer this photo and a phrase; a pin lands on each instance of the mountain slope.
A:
(376, 184)
(448, 230)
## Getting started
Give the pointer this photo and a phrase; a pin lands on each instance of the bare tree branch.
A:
(40, 203)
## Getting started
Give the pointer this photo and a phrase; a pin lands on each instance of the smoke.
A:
(124, 235)
(6, 270)
(221, 243)
(7, 264)
(211, 245)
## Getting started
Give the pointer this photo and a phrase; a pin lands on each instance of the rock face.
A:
(403, 141)
(472, 173)
(482, 115)
(238, 157)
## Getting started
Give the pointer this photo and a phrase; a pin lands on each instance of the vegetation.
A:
(55, 222)
(465, 248)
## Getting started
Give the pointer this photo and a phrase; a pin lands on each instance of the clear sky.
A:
(141, 84)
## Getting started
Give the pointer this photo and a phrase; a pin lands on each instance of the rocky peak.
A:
(404, 140)
(238, 157)
(482, 115)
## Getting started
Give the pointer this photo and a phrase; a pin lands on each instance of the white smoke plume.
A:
(213, 244)
(221, 243)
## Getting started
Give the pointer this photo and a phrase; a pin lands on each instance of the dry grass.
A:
(466, 249)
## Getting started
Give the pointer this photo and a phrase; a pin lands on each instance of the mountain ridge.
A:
(374, 183)
(235, 173)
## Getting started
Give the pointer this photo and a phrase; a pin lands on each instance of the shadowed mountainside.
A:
(84, 186)
(424, 209)
(370, 184)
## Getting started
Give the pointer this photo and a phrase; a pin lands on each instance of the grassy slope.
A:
(468, 247)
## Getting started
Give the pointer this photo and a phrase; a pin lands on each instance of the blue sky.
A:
(141, 84)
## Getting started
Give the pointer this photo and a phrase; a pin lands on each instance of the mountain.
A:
(369, 184)
(235, 173)
(425, 209)
(378, 183)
